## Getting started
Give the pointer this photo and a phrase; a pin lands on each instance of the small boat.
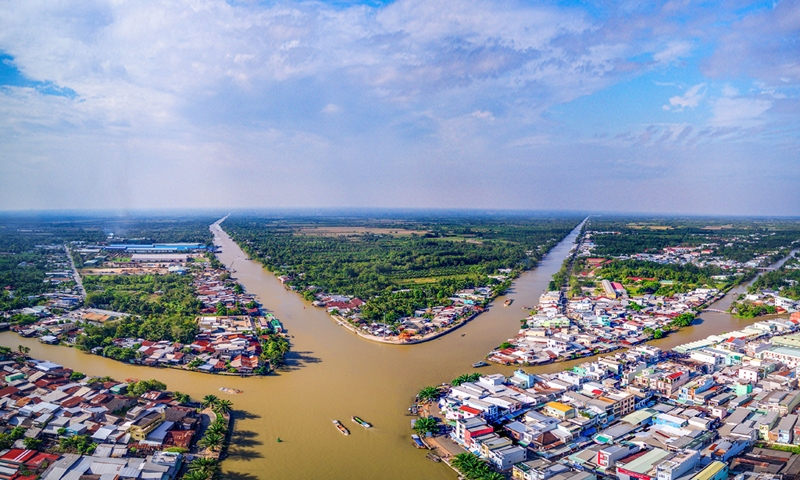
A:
(361, 422)
(418, 441)
(433, 458)
(508, 302)
(480, 364)
(230, 391)
(341, 427)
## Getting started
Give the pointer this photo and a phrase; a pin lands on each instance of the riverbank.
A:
(425, 324)
(143, 426)
(396, 340)
(330, 374)
(590, 406)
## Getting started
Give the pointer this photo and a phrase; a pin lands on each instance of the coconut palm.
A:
(182, 397)
(429, 393)
(212, 441)
(196, 476)
(207, 466)
(222, 406)
(210, 401)
(217, 428)
(425, 425)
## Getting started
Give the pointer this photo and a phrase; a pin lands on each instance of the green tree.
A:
(223, 406)
(428, 394)
(141, 387)
(206, 467)
(32, 443)
(212, 441)
(181, 397)
(209, 401)
(467, 377)
(425, 425)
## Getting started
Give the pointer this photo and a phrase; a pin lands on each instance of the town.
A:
(230, 335)
(724, 404)
(61, 424)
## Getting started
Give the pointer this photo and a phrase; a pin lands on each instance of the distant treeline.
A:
(738, 240)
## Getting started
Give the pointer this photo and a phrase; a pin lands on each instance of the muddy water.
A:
(332, 374)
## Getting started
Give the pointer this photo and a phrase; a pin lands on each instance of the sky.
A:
(681, 106)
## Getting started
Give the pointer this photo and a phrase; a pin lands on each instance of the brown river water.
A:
(333, 374)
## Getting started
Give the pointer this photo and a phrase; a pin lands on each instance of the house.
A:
(559, 410)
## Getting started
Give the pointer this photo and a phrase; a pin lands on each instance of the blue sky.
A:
(674, 106)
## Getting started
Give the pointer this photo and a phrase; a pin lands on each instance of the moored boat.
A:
(230, 391)
(479, 364)
(418, 441)
(341, 427)
(361, 422)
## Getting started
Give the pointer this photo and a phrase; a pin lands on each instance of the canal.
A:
(332, 374)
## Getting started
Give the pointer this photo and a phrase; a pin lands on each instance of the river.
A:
(333, 374)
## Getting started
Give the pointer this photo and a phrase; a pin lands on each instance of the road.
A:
(75, 274)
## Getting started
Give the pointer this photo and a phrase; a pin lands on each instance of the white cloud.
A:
(482, 114)
(690, 99)
(673, 51)
(729, 91)
(331, 108)
(739, 112)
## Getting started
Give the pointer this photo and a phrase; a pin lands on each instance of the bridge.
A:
(714, 310)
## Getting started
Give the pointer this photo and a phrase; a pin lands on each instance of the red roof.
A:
(468, 409)
(16, 455)
(675, 376)
(4, 392)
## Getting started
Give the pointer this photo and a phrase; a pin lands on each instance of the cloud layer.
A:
(412, 103)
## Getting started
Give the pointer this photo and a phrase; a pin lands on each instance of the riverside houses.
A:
(643, 413)
(131, 437)
(583, 326)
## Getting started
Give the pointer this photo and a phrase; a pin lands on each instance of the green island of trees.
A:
(397, 265)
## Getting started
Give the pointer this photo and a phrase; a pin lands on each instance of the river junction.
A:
(332, 374)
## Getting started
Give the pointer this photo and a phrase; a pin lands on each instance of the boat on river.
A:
(508, 302)
(341, 427)
(418, 441)
(230, 391)
(480, 364)
(361, 422)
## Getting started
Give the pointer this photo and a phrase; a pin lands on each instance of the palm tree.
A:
(196, 476)
(23, 349)
(207, 466)
(493, 476)
(217, 428)
(210, 401)
(212, 441)
(223, 406)
(182, 397)
(425, 425)
(429, 393)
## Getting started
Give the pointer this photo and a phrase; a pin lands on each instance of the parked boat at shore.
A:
(341, 427)
(361, 422)
(230, 391)
(480, 364)
(418, 441)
